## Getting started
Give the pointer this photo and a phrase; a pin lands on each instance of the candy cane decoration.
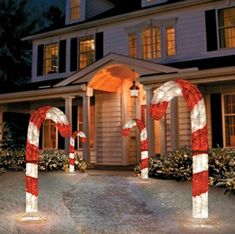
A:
(32, 149)
(143, 141)
(71, 147)
(196, 106)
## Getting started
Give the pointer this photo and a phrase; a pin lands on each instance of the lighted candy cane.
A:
(71, 148)
(196, 106)
(32, 149)
(143, 141)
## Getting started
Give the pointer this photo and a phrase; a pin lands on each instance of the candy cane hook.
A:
(32, 149)
(71, 148)
(196, 106)
(143, 141)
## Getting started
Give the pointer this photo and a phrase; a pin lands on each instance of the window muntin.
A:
(226, 20)
(170, 41)
(229, 120)
(86, 51)
(132, 45)
(151, 43)
(51, 58)
(50, 135)
(75, 13)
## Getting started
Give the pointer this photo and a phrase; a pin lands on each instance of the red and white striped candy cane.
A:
(32, 149)
(71, 147)
(143, 141)
(196, 106)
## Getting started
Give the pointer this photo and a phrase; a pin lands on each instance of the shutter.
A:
(62, 56)
(99, 46)
(216, 120)
(40, 56)
(211, 33)
(74, 54)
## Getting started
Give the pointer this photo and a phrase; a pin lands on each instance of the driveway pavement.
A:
(112, 202)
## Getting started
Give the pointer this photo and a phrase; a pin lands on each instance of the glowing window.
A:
(86, 51)
(151, 43)
(132, 45)
(229, 120)
(51, 58)
(50, 135)
(75, 10)
(227, 28)
(170, 41)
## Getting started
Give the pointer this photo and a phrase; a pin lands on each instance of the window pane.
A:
(170, 41)
(146, 44)
(87, 51)
(51, 58)
(132, 45)
(229, 104)
(227, 28)
(74, 9)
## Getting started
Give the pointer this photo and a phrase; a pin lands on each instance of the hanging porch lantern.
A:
(134, 90)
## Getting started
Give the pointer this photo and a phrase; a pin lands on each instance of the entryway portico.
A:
(96, 100)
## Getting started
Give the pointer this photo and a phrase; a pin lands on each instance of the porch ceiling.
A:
(110, 78)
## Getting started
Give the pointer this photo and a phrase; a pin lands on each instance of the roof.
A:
(12, 88)
(121, 8)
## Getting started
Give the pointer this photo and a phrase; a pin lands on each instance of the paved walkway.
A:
(112, 202)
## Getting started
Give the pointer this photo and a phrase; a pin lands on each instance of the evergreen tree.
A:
(15, 54)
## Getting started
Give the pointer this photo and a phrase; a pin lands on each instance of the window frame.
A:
(85, 51)
(223, 118)
(166, 41)
(219, 28)
(50, 124)
(49, 60)
(75, 10)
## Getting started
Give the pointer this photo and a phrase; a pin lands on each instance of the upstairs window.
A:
(86, 51)
(170, 41)
(75, 13)
(226, 19)
(132, 45)
(151, 43)
(51, 58)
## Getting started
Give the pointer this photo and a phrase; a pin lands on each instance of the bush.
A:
(49, 160)
(178, 165)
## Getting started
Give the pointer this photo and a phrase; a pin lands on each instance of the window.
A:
(51, 58)
(74, 9)
(229, 120)
(151, 43)
(170, 41)
(50, 135)
(132, 45)
(227, 27)
(86, 51)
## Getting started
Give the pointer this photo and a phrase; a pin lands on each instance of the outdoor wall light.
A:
(134, 90)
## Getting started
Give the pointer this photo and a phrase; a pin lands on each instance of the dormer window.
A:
(51, 58)
(75, 13)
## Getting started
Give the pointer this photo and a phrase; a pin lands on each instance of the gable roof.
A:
(140, 66)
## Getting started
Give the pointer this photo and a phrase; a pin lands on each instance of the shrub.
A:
(178, 165)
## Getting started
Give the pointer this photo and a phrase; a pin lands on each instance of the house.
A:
(87, 67)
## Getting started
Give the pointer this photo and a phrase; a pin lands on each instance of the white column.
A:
(174, 124)
(68, 113)
(150, 122)
(86, 123)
